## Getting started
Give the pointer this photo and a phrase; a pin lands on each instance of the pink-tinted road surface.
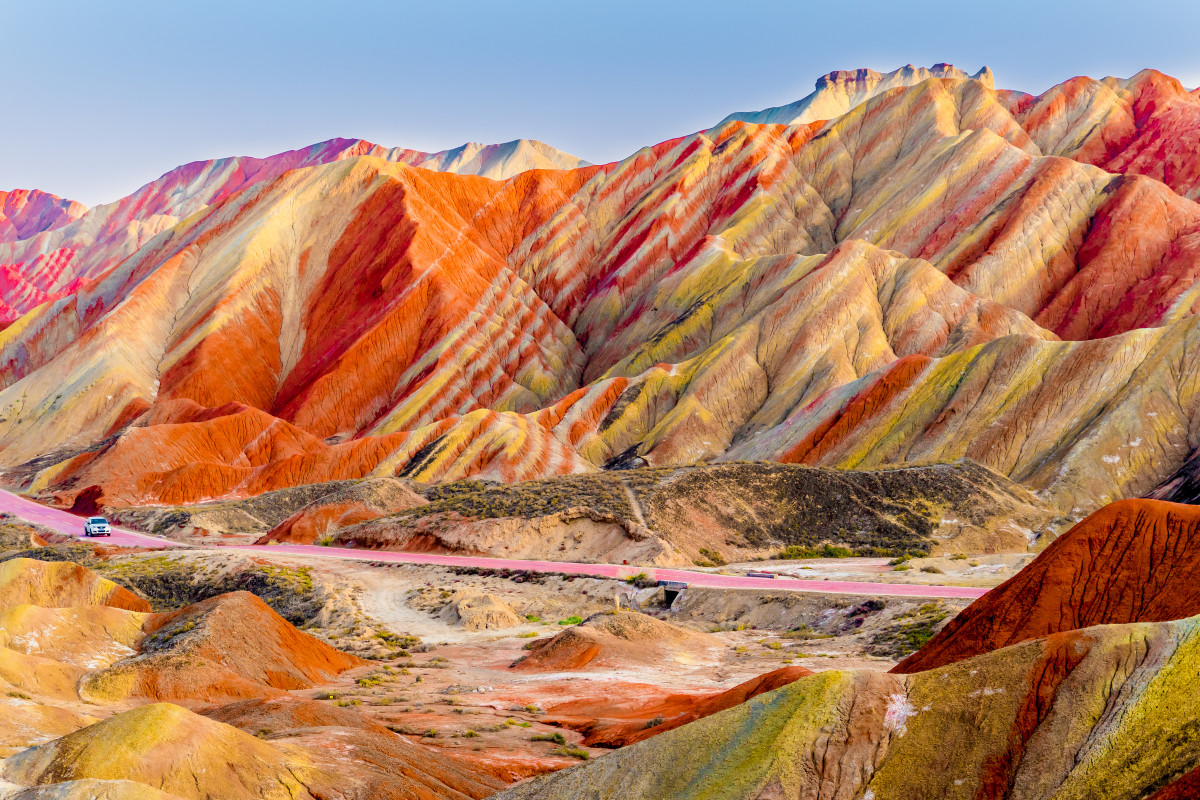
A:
(67, 523)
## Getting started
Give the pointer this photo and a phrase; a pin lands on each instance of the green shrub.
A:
(573, 752)
(570, 621)
(794, 551)
(557, 738)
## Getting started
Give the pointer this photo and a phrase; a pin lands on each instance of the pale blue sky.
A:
(101, 97)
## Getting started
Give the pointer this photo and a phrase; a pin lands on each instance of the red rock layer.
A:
(622, 722)
(1132, 561)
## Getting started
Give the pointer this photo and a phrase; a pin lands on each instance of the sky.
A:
(102, 97)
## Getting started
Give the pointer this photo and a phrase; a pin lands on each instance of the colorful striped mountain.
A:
(944, 271)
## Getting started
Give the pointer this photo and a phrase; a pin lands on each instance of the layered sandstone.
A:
(1131, 561)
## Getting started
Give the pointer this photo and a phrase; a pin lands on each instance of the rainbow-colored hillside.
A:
(943, 271)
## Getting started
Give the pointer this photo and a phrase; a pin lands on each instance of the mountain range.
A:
(945, 271)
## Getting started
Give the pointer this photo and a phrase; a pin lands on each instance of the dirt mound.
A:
(476, 611)
(1131, 561)
(148, 745)
(613, 640)
(707, 514)
(358, 502)
(376, 762)
(623, 722)
(1108, 711)
(24, 581)
(300, 514)
(226, 648)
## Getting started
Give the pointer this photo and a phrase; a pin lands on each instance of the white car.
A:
(96, 526)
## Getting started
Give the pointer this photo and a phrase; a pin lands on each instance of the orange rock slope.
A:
(202, 654)
(944, 271)
(1132, 561)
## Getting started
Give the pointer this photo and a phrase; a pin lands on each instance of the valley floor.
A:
(442, 675)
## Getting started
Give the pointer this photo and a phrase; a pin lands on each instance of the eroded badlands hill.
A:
(702, 514)
(1132, 561)
(943, 272)
(1109, 711)
(96, 694)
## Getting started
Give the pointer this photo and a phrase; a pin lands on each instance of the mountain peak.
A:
(837, 92)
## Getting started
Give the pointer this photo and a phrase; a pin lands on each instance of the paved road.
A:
(64, 522)
(70, 524)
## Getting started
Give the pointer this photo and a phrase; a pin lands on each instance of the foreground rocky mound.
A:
(62, 663)
(1108, 711)
(228, 647)
(1132, 561)
(613, 640)
(944, 271)
(477, 611)
(145, 746)
(713, 513)
(65, 668)
(377, 763)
